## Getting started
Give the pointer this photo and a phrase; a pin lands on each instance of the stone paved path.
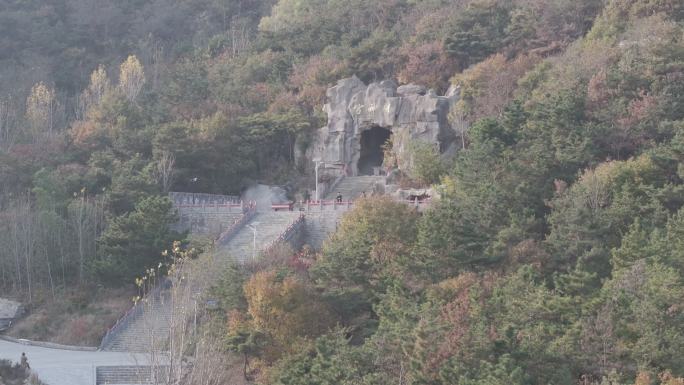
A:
(67, 367)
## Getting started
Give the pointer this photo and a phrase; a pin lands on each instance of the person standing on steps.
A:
(339, 197)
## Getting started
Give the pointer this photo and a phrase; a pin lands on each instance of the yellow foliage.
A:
(487, 87)
(82, 132)
(598, 184)
(93, 95)
(667, 378)
(40, 106)
(285, 308)
(131, 77)
(450, 288)
(643, 378)
(638, 170)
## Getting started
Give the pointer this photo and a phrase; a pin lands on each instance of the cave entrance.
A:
(372, 153)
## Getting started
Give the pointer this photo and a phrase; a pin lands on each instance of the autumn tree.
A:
(40, 110)
(285, 307)
(131, 78)
(93, 95)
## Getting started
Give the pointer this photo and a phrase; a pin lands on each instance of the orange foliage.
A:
(488, 87)
(643, 378)
(82, 132)
(667, 378)
(287, 309)
(639, 109)
(311, 79)
(427, 64)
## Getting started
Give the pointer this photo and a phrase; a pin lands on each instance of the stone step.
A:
(128, 375)
(269, 225)
(320, 225)
(151, 323)
(154, 321)
(353, 187)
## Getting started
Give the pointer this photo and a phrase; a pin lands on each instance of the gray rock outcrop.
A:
(409, 112)
(9, 310)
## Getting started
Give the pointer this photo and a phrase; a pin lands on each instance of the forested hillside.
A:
(554, 256)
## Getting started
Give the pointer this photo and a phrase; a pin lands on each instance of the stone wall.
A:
(206, 214)
(184, 198)
(206, 220)
(319, 226)
(410, 112)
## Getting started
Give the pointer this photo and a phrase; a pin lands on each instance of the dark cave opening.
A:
(372, 153)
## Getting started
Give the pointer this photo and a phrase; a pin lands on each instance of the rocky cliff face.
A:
(408, 112)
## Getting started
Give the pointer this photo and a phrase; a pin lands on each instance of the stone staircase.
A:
(148, 328)
(128, 375)
(353, 187)
(319, 226)
(269, 225)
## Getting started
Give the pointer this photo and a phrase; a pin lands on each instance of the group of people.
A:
(338, 198)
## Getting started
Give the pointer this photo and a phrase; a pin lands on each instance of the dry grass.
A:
(74, 318)
(13, 374)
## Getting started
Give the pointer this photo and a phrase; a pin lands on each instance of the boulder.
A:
(411, 89)
(9, 311)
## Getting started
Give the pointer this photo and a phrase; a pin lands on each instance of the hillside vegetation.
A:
(555, 255)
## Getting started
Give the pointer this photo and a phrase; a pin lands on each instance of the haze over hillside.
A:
(548, 135)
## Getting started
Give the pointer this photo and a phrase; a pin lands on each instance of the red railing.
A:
(209, 205)
(248, 213)
(285, 235)
(348, 203)
(134, 311)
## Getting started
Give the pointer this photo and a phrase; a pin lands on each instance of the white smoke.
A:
(265, 196)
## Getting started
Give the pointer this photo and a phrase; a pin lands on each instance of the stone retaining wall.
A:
(50, 345)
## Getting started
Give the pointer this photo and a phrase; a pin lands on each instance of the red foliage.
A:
(79, 329)
(598, 93)
(639, 109)
(311, 80)
(303, 260)
(427, 64)
(38, 153)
